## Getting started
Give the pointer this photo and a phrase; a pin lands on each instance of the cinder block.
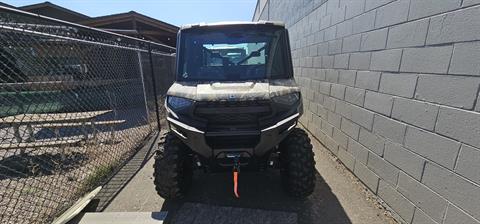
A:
(339, 15)
(431, 146)
(330, 34)
(456, 216)
(371, 4)
(355, 95)
(362, 117)
(314, 85)
(327, 61)
(329, 103)
(344, 109)
(393, 13)
(408, 34)
(340, 138)
(316, 120)
(465, 59)
(313, 107)
(368, 80)
(308, 62)
(358, 151)
(477, 108)
(351, 43)
(404, 159)
(387, 60)
(319, 35)
(459, 124)
(382, 168)
(427, 200)
(338, 91)
(322, 112)
(335, 46)
(319, 74)
(312, 51)
(325, 22)
(427, 60)
(327, 128)
(389, 128)
(331, 144)
(360, 61)
(454, 188)
(369, 178)
(456, 26)
(346, 158)
(322, 49)
(372, 141)
(374, 40)
(448, 90)
(344, 29)
(379, 102)
(325, 88)
(424, 8)
(317, 61)
(334, 119)
(341, 61)
(470, 2)
(468, 163)
(421, 218)
(396, 201)
(416, 113)
(318, 97)
(331, 75)
(398, 84)
(354, 8)
(347, 77)
(350, 128)
(364, 22)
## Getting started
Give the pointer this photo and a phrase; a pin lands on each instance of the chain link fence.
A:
(75, 103)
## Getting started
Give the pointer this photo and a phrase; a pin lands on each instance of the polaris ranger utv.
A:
(234, 105)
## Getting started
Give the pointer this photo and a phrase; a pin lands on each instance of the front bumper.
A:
(268, 137)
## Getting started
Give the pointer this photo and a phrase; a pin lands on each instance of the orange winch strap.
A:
(235, 184)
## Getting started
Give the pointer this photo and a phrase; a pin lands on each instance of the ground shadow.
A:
(126, 173)
(27, 165)
(257, 191)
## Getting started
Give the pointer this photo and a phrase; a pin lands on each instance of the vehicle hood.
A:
(233, 91)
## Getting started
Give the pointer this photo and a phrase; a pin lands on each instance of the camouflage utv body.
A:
(243, 102)
(234, 104)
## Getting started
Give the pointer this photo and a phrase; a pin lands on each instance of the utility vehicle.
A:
(234, 105)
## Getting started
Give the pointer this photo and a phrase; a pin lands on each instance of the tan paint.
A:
(239, 91)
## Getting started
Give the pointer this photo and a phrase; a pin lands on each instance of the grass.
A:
(98, 176)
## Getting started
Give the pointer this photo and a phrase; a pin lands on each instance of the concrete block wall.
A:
(392, 88)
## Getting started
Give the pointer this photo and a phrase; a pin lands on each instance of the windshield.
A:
(234, 53)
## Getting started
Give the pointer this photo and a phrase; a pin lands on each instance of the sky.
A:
(176, 12)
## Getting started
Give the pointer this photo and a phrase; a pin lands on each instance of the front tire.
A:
(298, 164)
(173, 169)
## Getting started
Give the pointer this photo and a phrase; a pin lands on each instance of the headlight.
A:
(177, 103)
(288, 99)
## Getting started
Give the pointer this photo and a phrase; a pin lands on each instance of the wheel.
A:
(173, 169)
(298, 164)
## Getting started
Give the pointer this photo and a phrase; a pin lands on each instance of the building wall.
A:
(392, 88)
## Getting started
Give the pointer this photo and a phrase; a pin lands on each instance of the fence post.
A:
(154, 86)
(140, 65)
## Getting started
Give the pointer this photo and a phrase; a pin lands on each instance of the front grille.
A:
(230, 119)
(233, 142)
(230, 114)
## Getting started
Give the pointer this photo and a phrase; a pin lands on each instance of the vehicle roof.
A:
(233, 23)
